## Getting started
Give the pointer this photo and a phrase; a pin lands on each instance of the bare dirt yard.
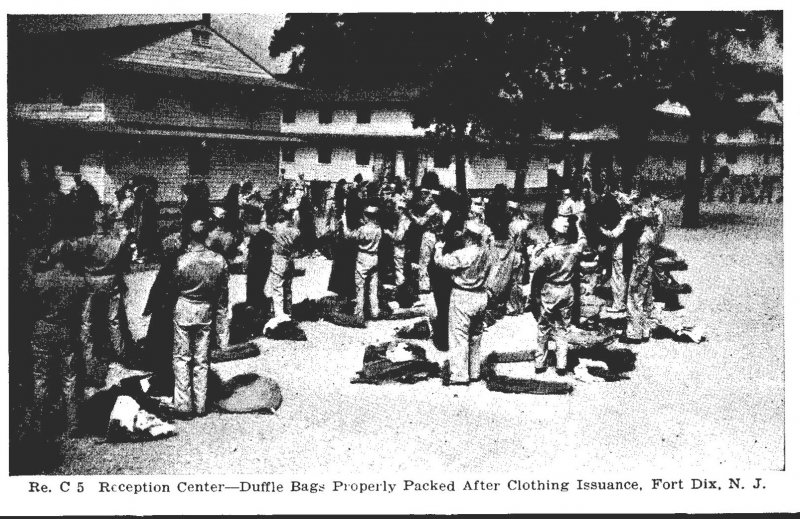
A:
(717, 404)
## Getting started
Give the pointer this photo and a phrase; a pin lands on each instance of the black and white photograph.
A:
(365, 255)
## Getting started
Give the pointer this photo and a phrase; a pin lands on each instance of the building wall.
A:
(483, 171)
(384, 121)
(169, 103)
(343, 165)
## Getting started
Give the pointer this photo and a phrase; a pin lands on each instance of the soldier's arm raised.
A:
(451, 261)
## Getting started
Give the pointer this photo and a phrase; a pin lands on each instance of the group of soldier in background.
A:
(725, 186)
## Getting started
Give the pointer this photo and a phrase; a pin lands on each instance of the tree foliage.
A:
(499, 76)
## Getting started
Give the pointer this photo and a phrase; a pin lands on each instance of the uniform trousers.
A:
(190, 361)
(279, 285)
(366, 279)
(640, 294)
(619, 285)
(554, 318)
(425, 255)
(56, 368)
(101, 319)
(464, 331)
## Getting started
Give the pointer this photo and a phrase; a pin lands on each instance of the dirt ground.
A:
(717, 404)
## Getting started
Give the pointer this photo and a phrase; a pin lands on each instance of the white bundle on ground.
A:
(129, 422)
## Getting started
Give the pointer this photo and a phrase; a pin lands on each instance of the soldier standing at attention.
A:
(470, 267)
(285, 246)
(367, 238)
(201, 277)
(555, 265)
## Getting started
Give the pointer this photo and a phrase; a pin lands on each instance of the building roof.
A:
(178, 49)
(398, 94)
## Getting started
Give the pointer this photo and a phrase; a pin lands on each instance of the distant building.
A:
(175, 101)
(372, 133)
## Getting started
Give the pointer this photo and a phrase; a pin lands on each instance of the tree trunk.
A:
(566, 178)
(521, 173)
(461, 159)
(691, 184)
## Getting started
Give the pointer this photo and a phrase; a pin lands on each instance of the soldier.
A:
(619, 282)
(643, 233)
(285, 246)
(433, 225)
(59, 294)
(367, 238)
(398, 237)
(469, 268)
(554, 266)
(106, 258)
(201, 278)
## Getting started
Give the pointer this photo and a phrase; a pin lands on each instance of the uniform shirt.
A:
(201, 274)
(368, 237)
(102, 254)
(222, 242)
(504, 260)
(59, 297)
(399, 235)
(558, 261)
(286, 239)
(470, 266)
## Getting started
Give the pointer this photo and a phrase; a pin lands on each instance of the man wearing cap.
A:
(285, 246)
(469, 267)
(201, 278)
(555, 264)
(367, 238)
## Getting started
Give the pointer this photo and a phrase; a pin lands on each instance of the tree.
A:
(441, 53)
(708, 79)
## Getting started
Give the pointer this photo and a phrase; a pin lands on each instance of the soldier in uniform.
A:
(619, 282)
(285, 246)
(201, 277)
(57, 363)
(398, 237)
(554, 266)
(644, 229)
(367, 238)
(469, 267)
(106, 258)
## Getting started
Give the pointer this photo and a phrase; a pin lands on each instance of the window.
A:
(669, 160)
(287, 153)
(731, 156)
(72, 160)
(325, 116)
(289, 114)
(363, 116)
(145, 98)
(363, 156)
(767, 158)
(200, 101)
(442, 159)
(513, 162)
(324, 154)
(72, 94)
(201, 38)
